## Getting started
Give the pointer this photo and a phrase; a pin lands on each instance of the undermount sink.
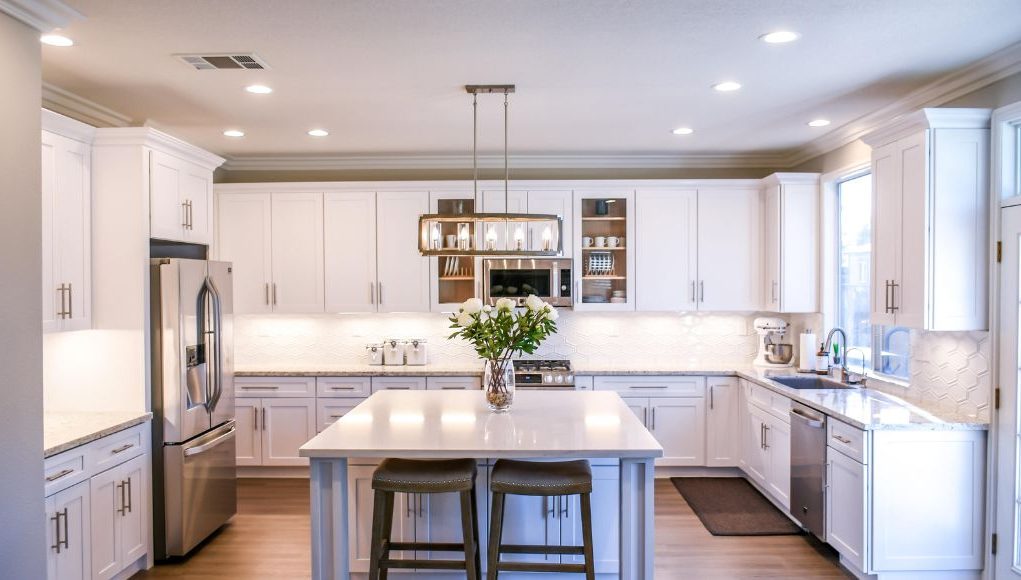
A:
(809, 383)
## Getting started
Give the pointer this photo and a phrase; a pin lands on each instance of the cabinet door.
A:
(845, 506)
(553, 203)
(640, 407)
(297, 250)
(886, 229)
(771, 249)
(439, 519)
(666, 233)
(402, 273)
(909, 295)
(360, 505)
(678, 423)
(722, 423)
(287, 425)
(68, 521)
(196, 191)
(799, 248)
(52, 294)
(108, 503)
(755, 454)
(350, 238)
(778, 453)
(133, 523)
(167, 214)
(72, 214)
(249, 435)
(244, 230)
(531, 520)
(605, 521)
(329, 410)
(398, 384)
(729, 252)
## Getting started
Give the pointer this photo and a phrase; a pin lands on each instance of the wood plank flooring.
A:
(269, 539)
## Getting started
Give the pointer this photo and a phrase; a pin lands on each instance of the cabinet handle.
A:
(645, 416)
(765, 436)
(255, 418)
(184, 214)
(565, 509)
(59, 474)
(120, 489)
(267, 293)
(893, 296)
(63, 304)
(762, 435)
(122, 448)
(842, 439)
(372, 292)
(70, 301)
(827, 476)
(380, 288)
(711, 387)
(191, 215)
(408, 509)
(421, 507)
(260, 387)
(335, 388)
(264, 418)
(888, 288)
(274, 293)
(654, 418)
(577, 292)
(693, 297)
(701, 290)
(58, 542)
(128, 494)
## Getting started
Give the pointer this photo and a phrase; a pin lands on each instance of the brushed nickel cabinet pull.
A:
(58, 542)
(122, 448)
(184, 214)
(267, 293)
(260, 387)
(711, 387)
(372, 292)
(654, 418)
(893, 296)
(129, 506)
(842, 439)
(70, 301)
(255, 418)
(274, 293)
(62, 313)
(380, 287)
(264, 418)
(120, 489)
(565, 506)
(645, 416)
(693, 297)
(765, 436)
(59, 474)
(701, 290)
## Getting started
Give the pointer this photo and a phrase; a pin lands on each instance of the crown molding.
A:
(981, 73)
(782, 178)
(928, 118)
(66, 126)
(77, 107)
(43, 15)
(149, 137)
(520, 161)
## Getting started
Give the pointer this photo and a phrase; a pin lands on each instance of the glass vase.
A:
(499, 386)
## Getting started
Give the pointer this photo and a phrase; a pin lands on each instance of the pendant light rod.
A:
(506, 166)
(475, 91)
(475, 143)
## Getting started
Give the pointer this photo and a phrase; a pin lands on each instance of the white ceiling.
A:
(612, 77)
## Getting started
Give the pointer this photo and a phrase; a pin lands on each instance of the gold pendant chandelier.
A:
(490, 234)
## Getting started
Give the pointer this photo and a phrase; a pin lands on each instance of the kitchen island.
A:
(446, 424)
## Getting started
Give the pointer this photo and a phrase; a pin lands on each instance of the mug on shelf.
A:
(612, 241)
(586, 242)
(451, 241)
(600, 241)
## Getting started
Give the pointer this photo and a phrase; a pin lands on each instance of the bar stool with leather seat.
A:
(540, 478)
(424, 477)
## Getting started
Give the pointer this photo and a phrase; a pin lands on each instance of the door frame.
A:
(1004, 193)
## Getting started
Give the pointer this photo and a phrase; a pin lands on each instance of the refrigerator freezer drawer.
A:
(201, 488)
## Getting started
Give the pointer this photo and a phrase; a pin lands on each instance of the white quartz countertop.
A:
(67, 430)
(362, 370)
(446, 424)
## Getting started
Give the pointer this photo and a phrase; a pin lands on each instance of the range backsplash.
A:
(949, 370)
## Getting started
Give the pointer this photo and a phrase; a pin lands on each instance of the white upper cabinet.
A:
(604, 272)
(930, 180)
(402, 273)
(180, 199)
(243, 238)
(791, 243)
(729, 255)
(66, 223)
(350, 240)
(666, 231)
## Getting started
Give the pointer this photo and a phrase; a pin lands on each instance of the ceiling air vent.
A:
(249, 61)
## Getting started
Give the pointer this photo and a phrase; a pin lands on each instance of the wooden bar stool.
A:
(424, 476)
(540, 479)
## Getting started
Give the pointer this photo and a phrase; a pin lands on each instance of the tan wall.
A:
(22, 539)
(248, 176)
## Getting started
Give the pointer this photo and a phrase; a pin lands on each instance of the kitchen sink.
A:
(810, 383)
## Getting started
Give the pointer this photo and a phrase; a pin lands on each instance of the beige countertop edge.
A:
(65, 431)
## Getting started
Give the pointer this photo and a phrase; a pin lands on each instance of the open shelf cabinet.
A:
(604, 266)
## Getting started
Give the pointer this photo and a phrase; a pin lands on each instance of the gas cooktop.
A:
(543, 373)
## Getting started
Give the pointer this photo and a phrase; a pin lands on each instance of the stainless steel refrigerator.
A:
(194, 473)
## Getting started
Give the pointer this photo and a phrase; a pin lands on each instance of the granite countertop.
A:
(67, 430)
(362, 370)
(441, 424)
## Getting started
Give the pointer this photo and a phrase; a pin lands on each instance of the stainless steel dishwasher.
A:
(808, 468)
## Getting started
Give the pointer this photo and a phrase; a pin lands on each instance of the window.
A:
(885, 349)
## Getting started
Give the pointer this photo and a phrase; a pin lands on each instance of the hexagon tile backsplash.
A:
(949, 370)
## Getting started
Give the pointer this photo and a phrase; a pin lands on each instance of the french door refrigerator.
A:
(194, 474)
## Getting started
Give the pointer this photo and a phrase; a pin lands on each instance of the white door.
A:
(722, 422)
(134, 525)
(678, 423)
(1006, 420)
(71, 220)
(350, 238)
(167, 214)
(402, 273)
(845, 506)
(886, 229)
(197, 191)
(755, 454)
(666, 231)
(554, 203)
(297, 242)
(771, 249)
(68, 534)
(778, 453)
(244, 229)
(287, 425)
(729, 251)
(605, 521)
(909, 294)
(249, 435)
(640, 407)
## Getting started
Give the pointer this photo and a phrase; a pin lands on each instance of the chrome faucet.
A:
(829, 345)
(853, 378)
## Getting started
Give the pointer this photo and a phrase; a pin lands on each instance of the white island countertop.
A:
(444, 424)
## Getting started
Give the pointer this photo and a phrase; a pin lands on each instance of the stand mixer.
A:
(773, 352)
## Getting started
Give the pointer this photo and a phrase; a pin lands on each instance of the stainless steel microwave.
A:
(549, 279)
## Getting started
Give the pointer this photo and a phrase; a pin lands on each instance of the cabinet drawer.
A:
(329, 410)
(63, 470)
(847, 439)
(583, 383)
(344, 386)
(275, 387)
(453, 383)
(768, 400)
(117, 448)
(398, 383)
(653, 386)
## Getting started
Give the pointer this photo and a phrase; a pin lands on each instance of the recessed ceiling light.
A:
(259, 89)
(818, 122)
(780, 37)
(56, 40)
(727, 86)
(683, 131)
(318, 132)
(233, 133)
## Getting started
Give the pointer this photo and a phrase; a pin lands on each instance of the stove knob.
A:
(547, 378)
(570, 378)
(560, 378)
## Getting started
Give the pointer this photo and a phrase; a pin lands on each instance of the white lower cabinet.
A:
(119, 522)
(270, 430)
(329, 410)
(677, 423)
(846, 506)
(766, 447)
(453, 383)
(68, 534)
(398, 384)
(723, 426)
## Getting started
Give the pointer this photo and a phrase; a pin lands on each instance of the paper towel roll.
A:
(806, 352)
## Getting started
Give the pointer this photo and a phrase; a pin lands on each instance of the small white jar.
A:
(393, 352)
(416, 352)
(375, 353)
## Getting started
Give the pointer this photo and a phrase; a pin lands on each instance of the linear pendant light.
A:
(491, 234)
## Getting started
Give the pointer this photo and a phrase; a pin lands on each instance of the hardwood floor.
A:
(269, 539)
